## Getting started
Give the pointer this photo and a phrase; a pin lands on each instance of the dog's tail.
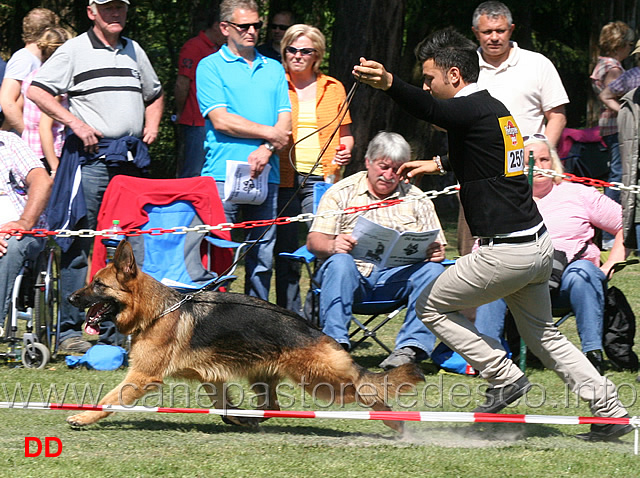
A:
(375, 390)
(329, 373)
(390, 383)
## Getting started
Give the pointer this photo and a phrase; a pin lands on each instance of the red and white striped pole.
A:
(457, 417)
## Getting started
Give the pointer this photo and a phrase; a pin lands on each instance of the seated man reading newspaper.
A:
(363, 261)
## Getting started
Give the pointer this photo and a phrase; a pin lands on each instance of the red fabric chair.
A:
(126, 197)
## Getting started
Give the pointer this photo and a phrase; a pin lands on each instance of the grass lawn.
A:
(146, 444)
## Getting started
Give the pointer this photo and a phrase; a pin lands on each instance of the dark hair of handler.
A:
(448, 48)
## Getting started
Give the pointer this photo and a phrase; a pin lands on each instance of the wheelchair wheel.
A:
(47, 300)
(35, 355)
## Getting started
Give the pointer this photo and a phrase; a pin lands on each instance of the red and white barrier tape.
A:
(455, 417)
(306, 217)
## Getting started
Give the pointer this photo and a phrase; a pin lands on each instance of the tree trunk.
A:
(371, 29)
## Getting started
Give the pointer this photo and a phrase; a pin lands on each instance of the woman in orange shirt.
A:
(316, 101)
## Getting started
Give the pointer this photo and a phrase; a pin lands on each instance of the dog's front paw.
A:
(83, 419)
(249, 422)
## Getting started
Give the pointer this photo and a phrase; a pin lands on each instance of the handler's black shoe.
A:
(499, 398)
(608, 432)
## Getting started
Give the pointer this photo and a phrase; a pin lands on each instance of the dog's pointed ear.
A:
(124, 261)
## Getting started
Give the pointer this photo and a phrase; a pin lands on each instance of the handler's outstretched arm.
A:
(416, 169)
(373, 74)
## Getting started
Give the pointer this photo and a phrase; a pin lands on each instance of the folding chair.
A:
(368, 327)
(181, 260)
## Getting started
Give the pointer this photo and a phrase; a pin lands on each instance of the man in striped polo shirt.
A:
(115, 107)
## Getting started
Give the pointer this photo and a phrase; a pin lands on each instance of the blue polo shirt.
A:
(258, 93)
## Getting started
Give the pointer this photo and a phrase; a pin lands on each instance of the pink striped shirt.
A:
(608, 121)
(31, 116)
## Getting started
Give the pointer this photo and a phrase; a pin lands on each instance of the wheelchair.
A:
(35, 299)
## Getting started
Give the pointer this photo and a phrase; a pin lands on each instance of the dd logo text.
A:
(48, 452)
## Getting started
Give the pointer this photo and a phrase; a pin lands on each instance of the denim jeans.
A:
(18, 251)
(342, 285)
(259, 260)
(615, 164)
(582, 289)
(615, 174)
(74, 262)
(191, 151)
(287, 270)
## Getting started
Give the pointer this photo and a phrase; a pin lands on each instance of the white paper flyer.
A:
(386, 247)
(241, 188)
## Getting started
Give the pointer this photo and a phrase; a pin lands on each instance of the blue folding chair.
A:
(176, 259)
(368, 327)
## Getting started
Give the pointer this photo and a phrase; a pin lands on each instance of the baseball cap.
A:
(637, 49)
(102, 2)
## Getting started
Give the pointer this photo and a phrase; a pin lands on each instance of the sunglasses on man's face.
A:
(277, 26)
(244, 27)
(303, 51)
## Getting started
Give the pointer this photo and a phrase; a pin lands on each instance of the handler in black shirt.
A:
(515, 255)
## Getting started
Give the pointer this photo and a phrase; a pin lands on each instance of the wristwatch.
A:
(269, 146)
(438, 162)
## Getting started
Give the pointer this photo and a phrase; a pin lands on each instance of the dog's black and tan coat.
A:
(218, 336)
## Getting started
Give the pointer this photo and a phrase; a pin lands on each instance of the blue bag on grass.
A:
(100, 357)
(451, 361)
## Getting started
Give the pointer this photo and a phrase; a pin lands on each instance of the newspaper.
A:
(241, 188)
(386, 247)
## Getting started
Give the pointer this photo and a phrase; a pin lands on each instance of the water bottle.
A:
(111, 239)
(333, 171)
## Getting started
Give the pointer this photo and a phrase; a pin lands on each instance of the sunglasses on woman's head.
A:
(536, 136)
(303, 51)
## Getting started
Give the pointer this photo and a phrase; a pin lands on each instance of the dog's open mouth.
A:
(97, 313)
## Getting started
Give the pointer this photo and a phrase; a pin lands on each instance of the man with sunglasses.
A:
(515, 256)
(278, 25)
(244, 99)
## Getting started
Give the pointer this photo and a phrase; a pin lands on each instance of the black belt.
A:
(485, 241)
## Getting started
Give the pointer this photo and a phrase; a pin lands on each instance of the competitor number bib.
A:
(513, 147)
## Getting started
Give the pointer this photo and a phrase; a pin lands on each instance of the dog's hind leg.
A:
(134, 386)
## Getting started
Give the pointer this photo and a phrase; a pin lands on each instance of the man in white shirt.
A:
(525, 81)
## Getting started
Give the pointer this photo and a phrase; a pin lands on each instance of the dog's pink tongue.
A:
(92, 313)
(91, 330)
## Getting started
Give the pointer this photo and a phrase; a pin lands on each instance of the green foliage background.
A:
(566, 31)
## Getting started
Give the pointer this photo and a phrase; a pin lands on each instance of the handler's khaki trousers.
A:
(519, 273)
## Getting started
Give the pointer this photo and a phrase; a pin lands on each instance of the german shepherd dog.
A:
(217, 336)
